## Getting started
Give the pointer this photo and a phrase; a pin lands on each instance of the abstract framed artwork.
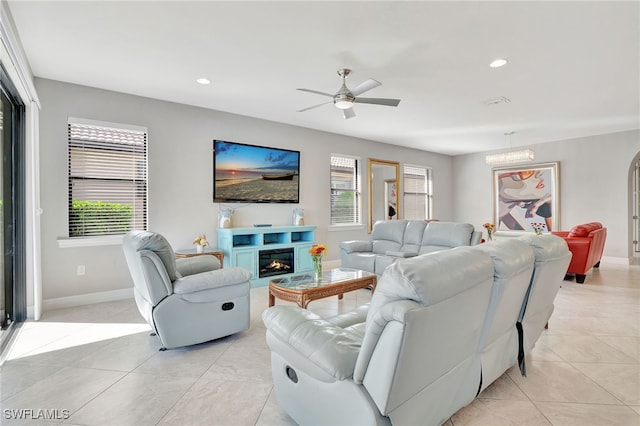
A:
(526, 197)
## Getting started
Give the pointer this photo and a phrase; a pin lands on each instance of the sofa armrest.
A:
(563, 234)
(329, 347)
(403, 254)
(353, 317)
(196, 264)
(391, 312)
(356, 246)
(211, 279)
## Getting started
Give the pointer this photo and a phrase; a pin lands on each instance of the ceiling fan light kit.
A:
(345, 98)
(343, 101)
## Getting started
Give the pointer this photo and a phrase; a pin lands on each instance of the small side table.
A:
(207, 252)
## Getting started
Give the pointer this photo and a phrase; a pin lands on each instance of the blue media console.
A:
(268, 252)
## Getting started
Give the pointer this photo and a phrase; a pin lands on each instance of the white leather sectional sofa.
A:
(398, 239)
(440, 328)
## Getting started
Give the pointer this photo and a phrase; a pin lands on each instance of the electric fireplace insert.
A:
(275, 262)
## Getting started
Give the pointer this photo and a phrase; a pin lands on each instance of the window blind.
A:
(416, 192)
(107, 178)
(345, 191)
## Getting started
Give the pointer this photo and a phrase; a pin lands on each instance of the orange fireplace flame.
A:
(275, 264)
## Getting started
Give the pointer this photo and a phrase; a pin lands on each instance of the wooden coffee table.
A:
(302, 289)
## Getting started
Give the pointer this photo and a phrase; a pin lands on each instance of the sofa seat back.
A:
(422, 331)
(444, 235)
(498, 348)
(387, 236)
(552, 257)
(413, 236)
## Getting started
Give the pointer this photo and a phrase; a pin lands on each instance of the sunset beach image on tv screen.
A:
(255, 174)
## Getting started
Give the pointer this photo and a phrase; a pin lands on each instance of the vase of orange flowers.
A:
(489, 227)
(316, 252)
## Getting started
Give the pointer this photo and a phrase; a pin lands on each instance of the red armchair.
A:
(586, 242)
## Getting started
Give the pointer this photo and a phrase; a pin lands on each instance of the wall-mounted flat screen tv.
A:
(255, 174)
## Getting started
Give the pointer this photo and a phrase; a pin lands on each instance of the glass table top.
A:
(329, 277)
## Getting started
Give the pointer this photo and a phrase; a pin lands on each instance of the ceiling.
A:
(573, 67)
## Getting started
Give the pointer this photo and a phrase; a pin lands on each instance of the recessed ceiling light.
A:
(203, 81)
(498, 63)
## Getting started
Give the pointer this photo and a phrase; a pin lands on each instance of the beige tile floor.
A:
(97, 365)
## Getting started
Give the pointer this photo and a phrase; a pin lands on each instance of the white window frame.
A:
(357, 191)
(140, 175)
(428, 191)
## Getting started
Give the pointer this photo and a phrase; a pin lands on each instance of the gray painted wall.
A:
(594, 185)
(594, 180)
(180, 178)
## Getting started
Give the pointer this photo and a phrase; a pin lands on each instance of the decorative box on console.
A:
(268, 251)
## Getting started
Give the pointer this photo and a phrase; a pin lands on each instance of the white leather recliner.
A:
(440, 328)
(406, 364)
(185, 301)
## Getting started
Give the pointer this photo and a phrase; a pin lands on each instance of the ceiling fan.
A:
(345, 98)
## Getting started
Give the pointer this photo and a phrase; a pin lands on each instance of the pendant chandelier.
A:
(510, 156)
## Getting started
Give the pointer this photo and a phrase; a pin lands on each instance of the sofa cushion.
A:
(365, 261)
(388, 235)
(331, 348)
(447, 234)
(584, 229)
(413, 236)
(382, 262)
(432, 249)
(395, 253)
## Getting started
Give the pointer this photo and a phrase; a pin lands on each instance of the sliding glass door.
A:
(12, 248)
(6, 295)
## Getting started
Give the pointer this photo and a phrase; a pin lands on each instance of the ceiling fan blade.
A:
(378, 101)
(316, 92)
(349, 113)
(364, 86)
(315, 106)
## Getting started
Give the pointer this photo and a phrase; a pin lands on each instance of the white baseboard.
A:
(617, 260)
(83, 299)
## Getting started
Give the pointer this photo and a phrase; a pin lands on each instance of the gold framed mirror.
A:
(383, 178)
